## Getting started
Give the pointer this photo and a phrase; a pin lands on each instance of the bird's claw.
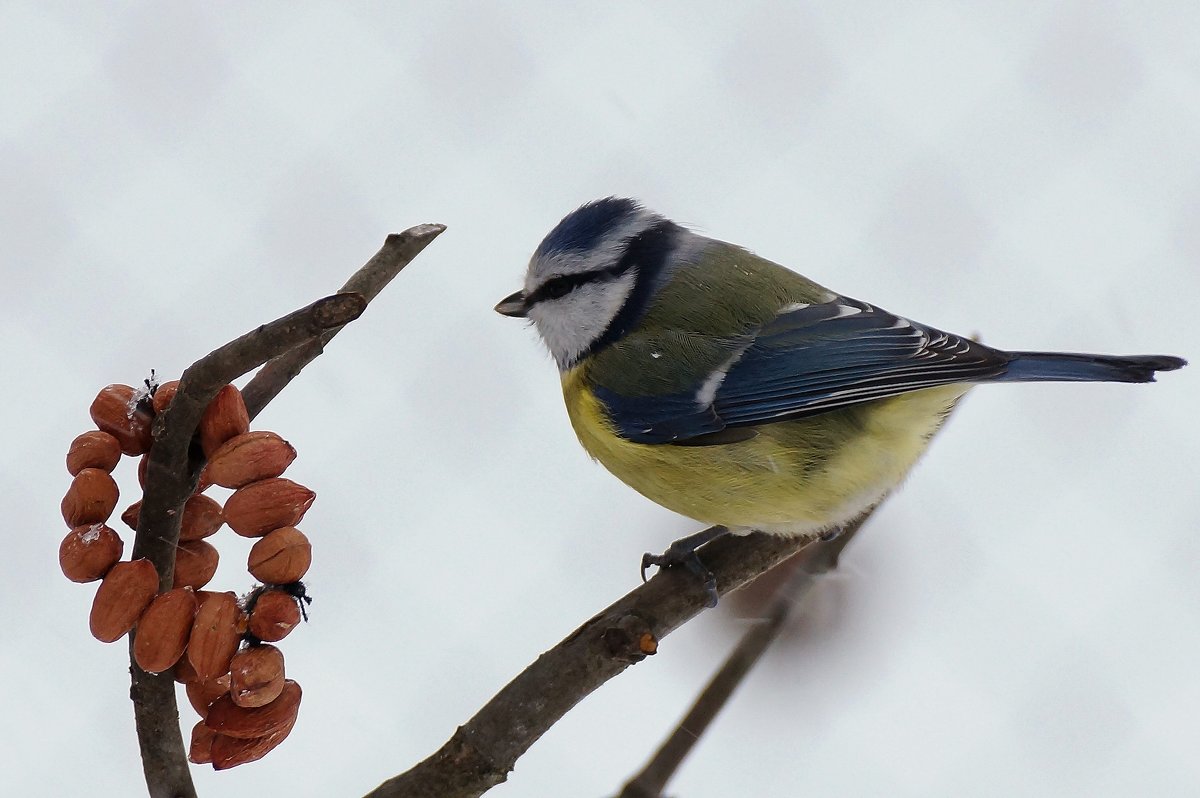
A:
(683, 552)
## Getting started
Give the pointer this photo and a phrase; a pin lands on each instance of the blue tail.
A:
(1070, 367)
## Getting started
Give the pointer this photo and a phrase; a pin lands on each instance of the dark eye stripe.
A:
(560, 286)
(647, 250)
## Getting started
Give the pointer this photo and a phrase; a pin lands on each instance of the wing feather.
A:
(809, 359)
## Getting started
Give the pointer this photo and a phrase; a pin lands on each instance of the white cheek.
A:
(572, 324)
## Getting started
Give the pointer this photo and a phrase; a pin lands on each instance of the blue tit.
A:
(738, 393)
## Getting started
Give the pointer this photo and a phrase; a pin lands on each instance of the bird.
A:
(738, 393)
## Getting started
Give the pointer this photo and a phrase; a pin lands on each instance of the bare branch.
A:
(398, 251)
(483, 751)
(809, 563)
(173, 469)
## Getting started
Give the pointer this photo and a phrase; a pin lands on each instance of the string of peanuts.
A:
(218, 646)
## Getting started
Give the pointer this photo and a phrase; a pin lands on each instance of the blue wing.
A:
(809, 359)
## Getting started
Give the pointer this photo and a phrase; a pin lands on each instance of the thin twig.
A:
(174, 465)
(809, 563)
(483, 750)
(398, 251)
(173, 468)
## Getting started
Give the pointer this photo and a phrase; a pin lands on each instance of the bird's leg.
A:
(683, 552)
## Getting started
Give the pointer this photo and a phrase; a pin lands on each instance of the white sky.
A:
(1023, 619)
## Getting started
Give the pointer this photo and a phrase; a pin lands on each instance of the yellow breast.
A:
(794, 477)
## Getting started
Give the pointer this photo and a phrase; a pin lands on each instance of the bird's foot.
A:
(683, 552)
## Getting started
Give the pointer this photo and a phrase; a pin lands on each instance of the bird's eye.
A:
(557, 288)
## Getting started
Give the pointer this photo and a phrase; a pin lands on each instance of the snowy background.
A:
(1022, 619)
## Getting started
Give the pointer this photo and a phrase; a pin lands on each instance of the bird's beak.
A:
(513, 305)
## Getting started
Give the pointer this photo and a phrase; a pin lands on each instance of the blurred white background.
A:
(1022, 619)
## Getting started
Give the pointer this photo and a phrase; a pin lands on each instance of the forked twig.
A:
(173, 469)
(819, 558)
(398, 251)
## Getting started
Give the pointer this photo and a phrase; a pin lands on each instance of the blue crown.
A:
(583, 228)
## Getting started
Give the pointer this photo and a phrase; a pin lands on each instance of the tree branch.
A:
(174, 464)
(398, 251)
(483, 751)
(812, 561)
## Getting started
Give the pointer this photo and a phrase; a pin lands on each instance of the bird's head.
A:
(593, 275)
